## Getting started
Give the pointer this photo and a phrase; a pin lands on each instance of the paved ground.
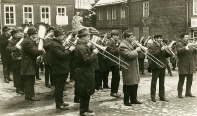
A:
(12, 104)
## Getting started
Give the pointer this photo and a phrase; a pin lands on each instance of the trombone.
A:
(110, 56)
(149, 55)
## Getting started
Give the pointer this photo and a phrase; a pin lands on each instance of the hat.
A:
(83, 32)
(93, 31)
(31, 31)
(5, 29)
(127, 34)
(114, 32)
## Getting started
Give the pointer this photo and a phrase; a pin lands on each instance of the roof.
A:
(83, 4)
(109, 2)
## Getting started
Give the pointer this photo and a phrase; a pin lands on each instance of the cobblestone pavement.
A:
(12, 104)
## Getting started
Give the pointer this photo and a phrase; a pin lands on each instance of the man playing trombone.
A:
(158, 71)
(186, 65)
(131, 76)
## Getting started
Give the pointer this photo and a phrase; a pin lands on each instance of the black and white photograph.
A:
(98, 57)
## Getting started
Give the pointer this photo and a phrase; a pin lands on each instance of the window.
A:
(195, 34)
(99, 14)
(61, 17)
(61, 11)
(28, 14)
(194, 7)
(146, 9)
(113, 13)
(9, 15)
(45, 14)
(122, 13)
(108, 14)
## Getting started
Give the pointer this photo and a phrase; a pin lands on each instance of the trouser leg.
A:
(180, 84)
(133, 93)
(6, 71)
(161, 84)
(126, 94)
(115, 79)
(29, 82)
(105, 79)
(153, 83)
(189, 84)
(47, 75)
(84, 103)
(59, 88)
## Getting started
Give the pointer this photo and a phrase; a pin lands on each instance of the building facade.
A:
(111, 15)
(149, 17)
(52, 12)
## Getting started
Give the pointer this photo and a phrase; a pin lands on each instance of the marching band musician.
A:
(131, 76)
(186, 65)
(158, 51)
(5, 56)
(59, 59)
(47, 65)
(85, 58)
(28, 63)
(16, 57)
(112, 47)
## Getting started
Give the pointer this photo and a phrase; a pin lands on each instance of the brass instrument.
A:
(168, 49)
(70, 41)
(108, 55)
(149, 55)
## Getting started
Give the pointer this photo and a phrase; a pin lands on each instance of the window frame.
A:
(122, 17)
(45, 14)
(61, 8)
(114, 14)
(14, 14)
(145, 9)
(194, 8)
(28, 6)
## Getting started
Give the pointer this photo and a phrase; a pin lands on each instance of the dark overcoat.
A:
(57, 57)
(85, 68)
(185, 57)
(29, 54)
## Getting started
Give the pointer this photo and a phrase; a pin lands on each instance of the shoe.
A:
(87, 114)
(115, 95)
(38, 78)
(153, 100)
(65, 104)
(190, 95)
(127, 104)
(90, 111)
(6, 81)
(76, 100)
(20, 92)
(180, 96)
(48, 86)
(62, 107)
(9, 79)
(163, 99)
(136, 102)
(33, 99)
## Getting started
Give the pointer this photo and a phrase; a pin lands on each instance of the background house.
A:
(53, 12)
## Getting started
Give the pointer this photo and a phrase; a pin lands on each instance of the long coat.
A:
(185, 57)
(29, 54)
(131, 75)
(58, 58)
(5, 55)
(84, 69)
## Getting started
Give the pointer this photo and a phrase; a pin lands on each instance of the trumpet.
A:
(108, 55)
(68, 42)
(149, 55)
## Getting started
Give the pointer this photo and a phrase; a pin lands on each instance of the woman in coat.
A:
(131, 75)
